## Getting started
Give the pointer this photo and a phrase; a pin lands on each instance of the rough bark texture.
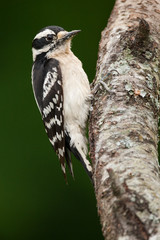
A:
(124, 122)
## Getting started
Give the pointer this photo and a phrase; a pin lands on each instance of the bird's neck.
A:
(62, 50)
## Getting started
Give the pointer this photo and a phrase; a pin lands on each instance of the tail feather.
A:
(63, 167)
(85, 163)
(69, 161)
(78, 153)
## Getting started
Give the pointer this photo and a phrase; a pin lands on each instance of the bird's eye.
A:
(49, 37)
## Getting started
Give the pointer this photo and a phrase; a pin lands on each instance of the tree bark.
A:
(123, 128)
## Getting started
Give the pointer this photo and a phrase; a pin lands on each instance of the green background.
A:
(35, 202)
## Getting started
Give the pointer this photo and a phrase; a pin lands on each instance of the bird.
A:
(62, 92)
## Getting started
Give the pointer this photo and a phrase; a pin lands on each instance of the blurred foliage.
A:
(35, 202)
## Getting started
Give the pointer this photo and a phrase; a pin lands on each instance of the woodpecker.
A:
(62, 93)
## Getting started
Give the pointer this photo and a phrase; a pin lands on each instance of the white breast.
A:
(76, 89)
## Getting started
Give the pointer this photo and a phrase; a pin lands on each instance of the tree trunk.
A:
(124, 122)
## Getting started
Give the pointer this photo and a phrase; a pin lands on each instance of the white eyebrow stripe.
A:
(44, 33)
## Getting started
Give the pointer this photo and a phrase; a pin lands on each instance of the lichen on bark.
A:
(124, 123)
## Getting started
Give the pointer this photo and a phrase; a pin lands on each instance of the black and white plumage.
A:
(62, 93)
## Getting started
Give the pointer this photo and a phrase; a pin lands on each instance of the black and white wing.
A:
(49, 96)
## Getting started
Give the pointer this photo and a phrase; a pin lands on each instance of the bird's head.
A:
(52, 40)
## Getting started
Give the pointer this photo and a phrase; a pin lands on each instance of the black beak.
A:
(68, 35)
(71, 34)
